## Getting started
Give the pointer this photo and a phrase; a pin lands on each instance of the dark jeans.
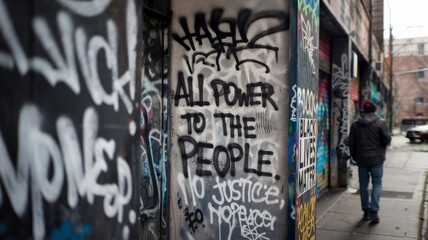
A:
(376, 174)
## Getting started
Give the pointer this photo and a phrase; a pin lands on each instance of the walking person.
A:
(368, 139)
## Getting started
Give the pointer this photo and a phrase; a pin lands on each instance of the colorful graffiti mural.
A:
(68, 119)
(303, 130)
(229, 82)
(323, 145)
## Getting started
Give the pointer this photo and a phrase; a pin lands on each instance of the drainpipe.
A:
(371, 37)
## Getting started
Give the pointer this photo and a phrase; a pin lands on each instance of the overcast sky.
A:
(408, 18)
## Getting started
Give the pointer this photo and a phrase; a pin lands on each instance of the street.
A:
(401, 143)
(402, 192)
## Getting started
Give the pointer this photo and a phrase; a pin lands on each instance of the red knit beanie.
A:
(369, 106)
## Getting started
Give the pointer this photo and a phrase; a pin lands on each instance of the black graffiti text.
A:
(223, 158)
(198, 120)
(308, 128)
(186, 92)
(235, 124)
(255, 94)
(231, 41)
(258, 93)
(194, 218)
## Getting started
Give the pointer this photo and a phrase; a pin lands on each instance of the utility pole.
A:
(391, 79)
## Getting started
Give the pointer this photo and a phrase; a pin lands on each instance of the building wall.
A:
(339, 152)
(303, 125)
(346, 12)
(229, 119)
(69, 119)
(378, 24)
(353, 26)
(409, 46)
(410, 80)
(409, 87)
(231, 114)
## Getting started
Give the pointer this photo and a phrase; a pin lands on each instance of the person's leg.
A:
(363, 177)
(377, 174)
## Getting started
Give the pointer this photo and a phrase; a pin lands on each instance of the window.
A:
(420, 73)
(421, 49)
(419, 100)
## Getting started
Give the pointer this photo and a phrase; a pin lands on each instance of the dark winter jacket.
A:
(368, 140)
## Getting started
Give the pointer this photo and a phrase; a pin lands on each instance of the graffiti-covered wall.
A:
(303, 130)
(340, 113)
(69, 119)
(154, 126)
(323, 143)
(229, 119)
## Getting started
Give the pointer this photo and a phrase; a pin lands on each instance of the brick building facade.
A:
(410, 71)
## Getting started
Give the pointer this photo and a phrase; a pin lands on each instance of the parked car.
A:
(409, 122)
(419, 132)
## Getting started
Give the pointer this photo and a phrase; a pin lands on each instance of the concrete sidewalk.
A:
(339, 214)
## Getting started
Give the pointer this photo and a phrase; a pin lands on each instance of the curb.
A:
(423, 212)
